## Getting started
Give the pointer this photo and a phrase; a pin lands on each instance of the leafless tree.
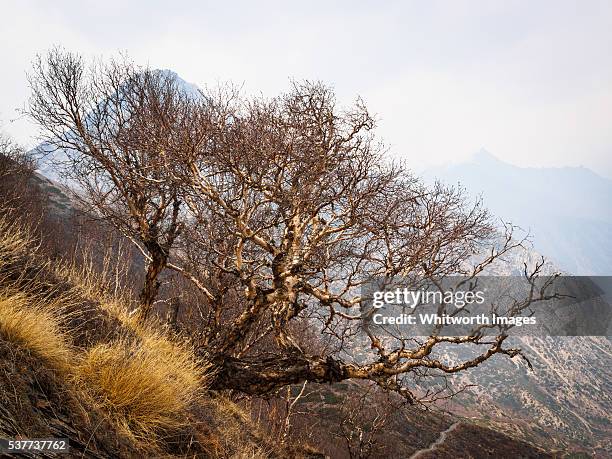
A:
(297, 206)
(114, 126)
(277, 210)
(364, 414)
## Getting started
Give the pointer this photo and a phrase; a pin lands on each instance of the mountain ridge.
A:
(567, 210)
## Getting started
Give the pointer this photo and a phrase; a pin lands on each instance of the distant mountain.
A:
(567, 211)
(565, 401)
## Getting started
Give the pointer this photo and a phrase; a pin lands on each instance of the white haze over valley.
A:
(567, 211)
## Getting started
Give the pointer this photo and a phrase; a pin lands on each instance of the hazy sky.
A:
(530, 81)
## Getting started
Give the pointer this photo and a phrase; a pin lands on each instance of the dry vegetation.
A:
(29, 322)
(143, 387)
(269, 215)
(27, 318)
(259, 220)
(147, 386)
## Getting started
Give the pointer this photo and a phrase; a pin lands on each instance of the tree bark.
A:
(150, 289)
(265, 375)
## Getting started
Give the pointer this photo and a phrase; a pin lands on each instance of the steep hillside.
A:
(347, 414)
(564, 403)
(76, 365)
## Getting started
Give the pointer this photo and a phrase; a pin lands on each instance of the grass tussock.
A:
(28, 318)
(144, 382)
(32, 324)
(146, 386)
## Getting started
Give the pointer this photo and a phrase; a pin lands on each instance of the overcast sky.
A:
(530, 81)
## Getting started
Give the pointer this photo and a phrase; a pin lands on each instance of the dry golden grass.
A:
(14, 241)
(145, 386)
(236, 435)
(32, 323)
(29, 320)
(101, 281)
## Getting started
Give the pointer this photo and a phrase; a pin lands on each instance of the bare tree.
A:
(114, 126)
(277, 210)
(297, 206)
(364, 414)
